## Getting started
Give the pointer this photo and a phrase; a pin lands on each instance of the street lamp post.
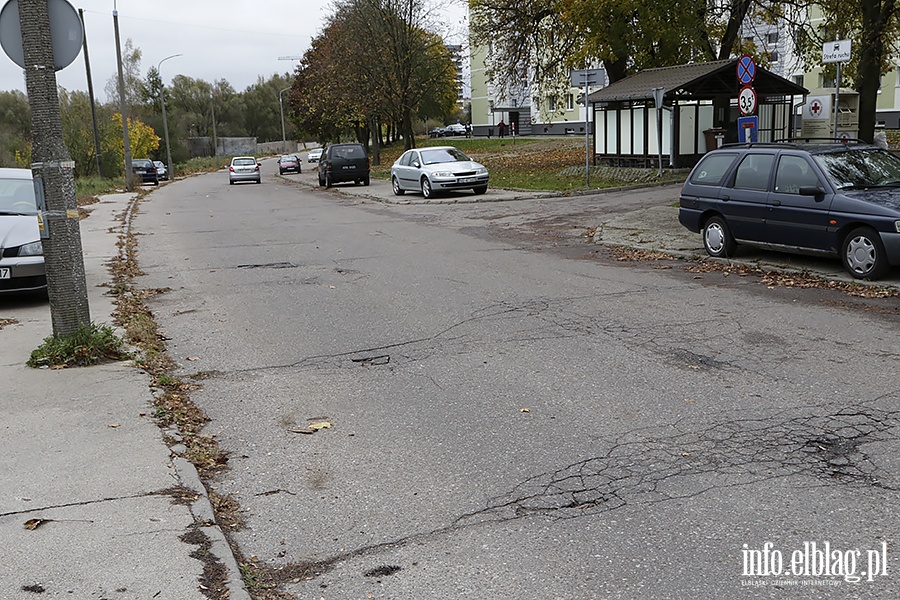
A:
(281, 105)
(162, 99)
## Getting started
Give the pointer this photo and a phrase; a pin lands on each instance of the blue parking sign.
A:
(748, 129)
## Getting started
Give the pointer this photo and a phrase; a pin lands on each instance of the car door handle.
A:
(726, 198)
(776, 202)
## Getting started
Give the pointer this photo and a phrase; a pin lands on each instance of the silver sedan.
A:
(437, 169)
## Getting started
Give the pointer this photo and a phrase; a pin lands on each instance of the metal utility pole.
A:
(53, 167)
(162, 100)
(90, 83)
(281, 105)
(212, 109)
(123, 108)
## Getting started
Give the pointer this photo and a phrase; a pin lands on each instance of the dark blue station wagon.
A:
(830, 198)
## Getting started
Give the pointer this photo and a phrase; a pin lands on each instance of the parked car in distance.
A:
(437, 169)
(161, 170)
(344, 162)
(145, 168)
(21, 252)
(314, 155)
(826, 198)
(436, 132)
(243, 168)
(288, 163)
(454, 129)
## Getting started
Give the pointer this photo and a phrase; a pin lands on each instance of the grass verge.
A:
(534, 164)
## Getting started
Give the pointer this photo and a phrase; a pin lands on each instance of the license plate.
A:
(466, 179)
(349, 167)
(4, 273)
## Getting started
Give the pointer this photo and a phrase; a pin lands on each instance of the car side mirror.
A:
(812, 190)
(416, 164)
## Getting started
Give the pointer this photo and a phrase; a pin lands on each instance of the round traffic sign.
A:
(66, 32)
(747, 100)
(746, 69)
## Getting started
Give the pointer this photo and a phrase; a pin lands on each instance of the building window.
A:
(772, 38)
(798, 79)
(551, 103)
(570, 102)
(773, 57)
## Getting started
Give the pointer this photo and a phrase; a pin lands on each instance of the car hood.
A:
(16, 230)
(888, 198)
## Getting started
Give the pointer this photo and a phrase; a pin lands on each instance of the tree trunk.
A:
(51, 164)
(875, 16)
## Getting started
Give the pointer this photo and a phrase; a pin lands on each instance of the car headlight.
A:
(481, 171)
(32, 249)
(442, 174)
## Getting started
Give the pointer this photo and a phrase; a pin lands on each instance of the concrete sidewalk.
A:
(82, 453)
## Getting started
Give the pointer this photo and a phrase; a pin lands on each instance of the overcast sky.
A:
(235, 40)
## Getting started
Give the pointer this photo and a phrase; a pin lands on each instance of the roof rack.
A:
(822, 140)
(780, 143)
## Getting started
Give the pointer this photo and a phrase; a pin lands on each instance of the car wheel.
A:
(328, 182)
(480, 189)
(717, 238)
(230, 182)
(395, 184)
(321, 181)
(365, 180)
(427, 192)
(258, 180)
(863, 254)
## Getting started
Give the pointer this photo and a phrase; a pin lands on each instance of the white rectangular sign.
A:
(838, 51)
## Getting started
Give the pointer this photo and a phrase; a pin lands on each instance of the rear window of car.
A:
(243, 162)
(348, 152)
(712, 168)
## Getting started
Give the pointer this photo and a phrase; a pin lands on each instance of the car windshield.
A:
(17, 197)
(861, 168)
(442, 155)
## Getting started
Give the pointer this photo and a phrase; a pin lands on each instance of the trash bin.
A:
(714, 137)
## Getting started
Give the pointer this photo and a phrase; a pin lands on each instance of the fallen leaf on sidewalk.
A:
(525, 409)
(305, 431)
(113, 425)
(32, 524)
(193, 358)
(319, 425)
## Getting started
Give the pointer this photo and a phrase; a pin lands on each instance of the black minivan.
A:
(344, 162)
(831, 198)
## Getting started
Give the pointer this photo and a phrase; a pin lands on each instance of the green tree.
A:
(542, 39)
(15, 129)
(873, 26)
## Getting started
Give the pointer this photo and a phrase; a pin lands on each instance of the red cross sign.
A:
(815, 108)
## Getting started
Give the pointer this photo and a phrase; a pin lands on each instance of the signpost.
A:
(748, 101)
(658, 96)
(585, 78)
(836, 52)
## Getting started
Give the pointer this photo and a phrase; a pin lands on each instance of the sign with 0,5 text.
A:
(833, 52)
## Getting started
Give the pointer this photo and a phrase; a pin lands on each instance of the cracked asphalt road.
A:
(516, 414)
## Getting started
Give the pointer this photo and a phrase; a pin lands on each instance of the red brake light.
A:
(231, 168)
